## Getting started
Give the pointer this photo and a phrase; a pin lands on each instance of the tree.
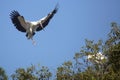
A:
(24, 74)
(3, 75)
(32, 73)
(65, 72)
(92, 68)
(95, 61)
(112, 46)
(44, 73)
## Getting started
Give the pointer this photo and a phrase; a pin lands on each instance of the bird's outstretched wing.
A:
(44, 21)
(18, 21)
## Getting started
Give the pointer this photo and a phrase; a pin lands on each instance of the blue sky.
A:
(75, 21)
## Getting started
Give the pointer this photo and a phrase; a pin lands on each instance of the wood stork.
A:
(31, 27)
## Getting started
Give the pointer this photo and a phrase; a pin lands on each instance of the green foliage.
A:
(114, 58)
(83, 68)
(111, 75)
(32, 73)
(113, 36)
(3, 75)
(65, 71)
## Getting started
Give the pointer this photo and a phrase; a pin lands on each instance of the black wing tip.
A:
(14, 13)
(56, 8)
(14, 17)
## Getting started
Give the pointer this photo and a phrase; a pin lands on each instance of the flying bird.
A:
(30, 27)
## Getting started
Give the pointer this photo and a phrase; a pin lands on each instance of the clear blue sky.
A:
(75, 21)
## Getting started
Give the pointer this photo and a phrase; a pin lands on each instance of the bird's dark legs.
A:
(30, 36)
(26, 34)
(33, 33)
